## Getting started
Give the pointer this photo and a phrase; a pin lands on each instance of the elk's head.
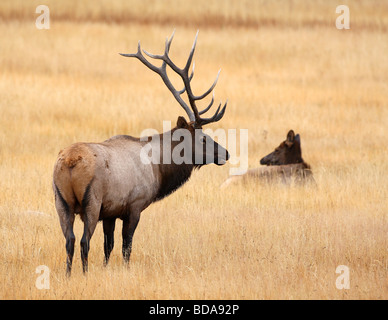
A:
(204, 150)
(288, 152)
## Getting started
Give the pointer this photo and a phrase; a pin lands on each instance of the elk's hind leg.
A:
(70, 240)
(90, 214)
(66, 219)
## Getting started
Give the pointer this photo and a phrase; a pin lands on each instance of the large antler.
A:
(194, 114)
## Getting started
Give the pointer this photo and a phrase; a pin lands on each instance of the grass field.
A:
(284, 66)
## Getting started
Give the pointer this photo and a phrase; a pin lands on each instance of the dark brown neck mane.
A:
(172, 175)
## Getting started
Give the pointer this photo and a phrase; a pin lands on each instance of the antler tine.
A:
(191, 54)
(217, 115)
(209, 90)
(208, 107)
(165, 57)
(139, 56)
(168, 42)
(166, 49)
(190, 78)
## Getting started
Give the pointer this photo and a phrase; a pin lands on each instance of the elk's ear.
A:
(182, 123)
(297, 138)
(290, 138)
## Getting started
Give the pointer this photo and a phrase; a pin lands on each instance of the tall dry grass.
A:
(68, 84)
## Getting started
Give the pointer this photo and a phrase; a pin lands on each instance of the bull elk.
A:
(284, 164)
(108, 180)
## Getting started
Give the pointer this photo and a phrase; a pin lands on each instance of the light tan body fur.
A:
(103, 181)
(119, 177)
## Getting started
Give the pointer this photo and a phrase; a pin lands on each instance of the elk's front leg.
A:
(129, 226)
(109, 228)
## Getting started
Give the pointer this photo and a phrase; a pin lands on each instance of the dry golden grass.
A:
(283, 66)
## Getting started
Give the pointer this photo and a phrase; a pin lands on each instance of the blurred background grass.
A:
(216, 13)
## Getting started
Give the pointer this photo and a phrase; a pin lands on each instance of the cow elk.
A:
(109, 180)
(285, 164)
